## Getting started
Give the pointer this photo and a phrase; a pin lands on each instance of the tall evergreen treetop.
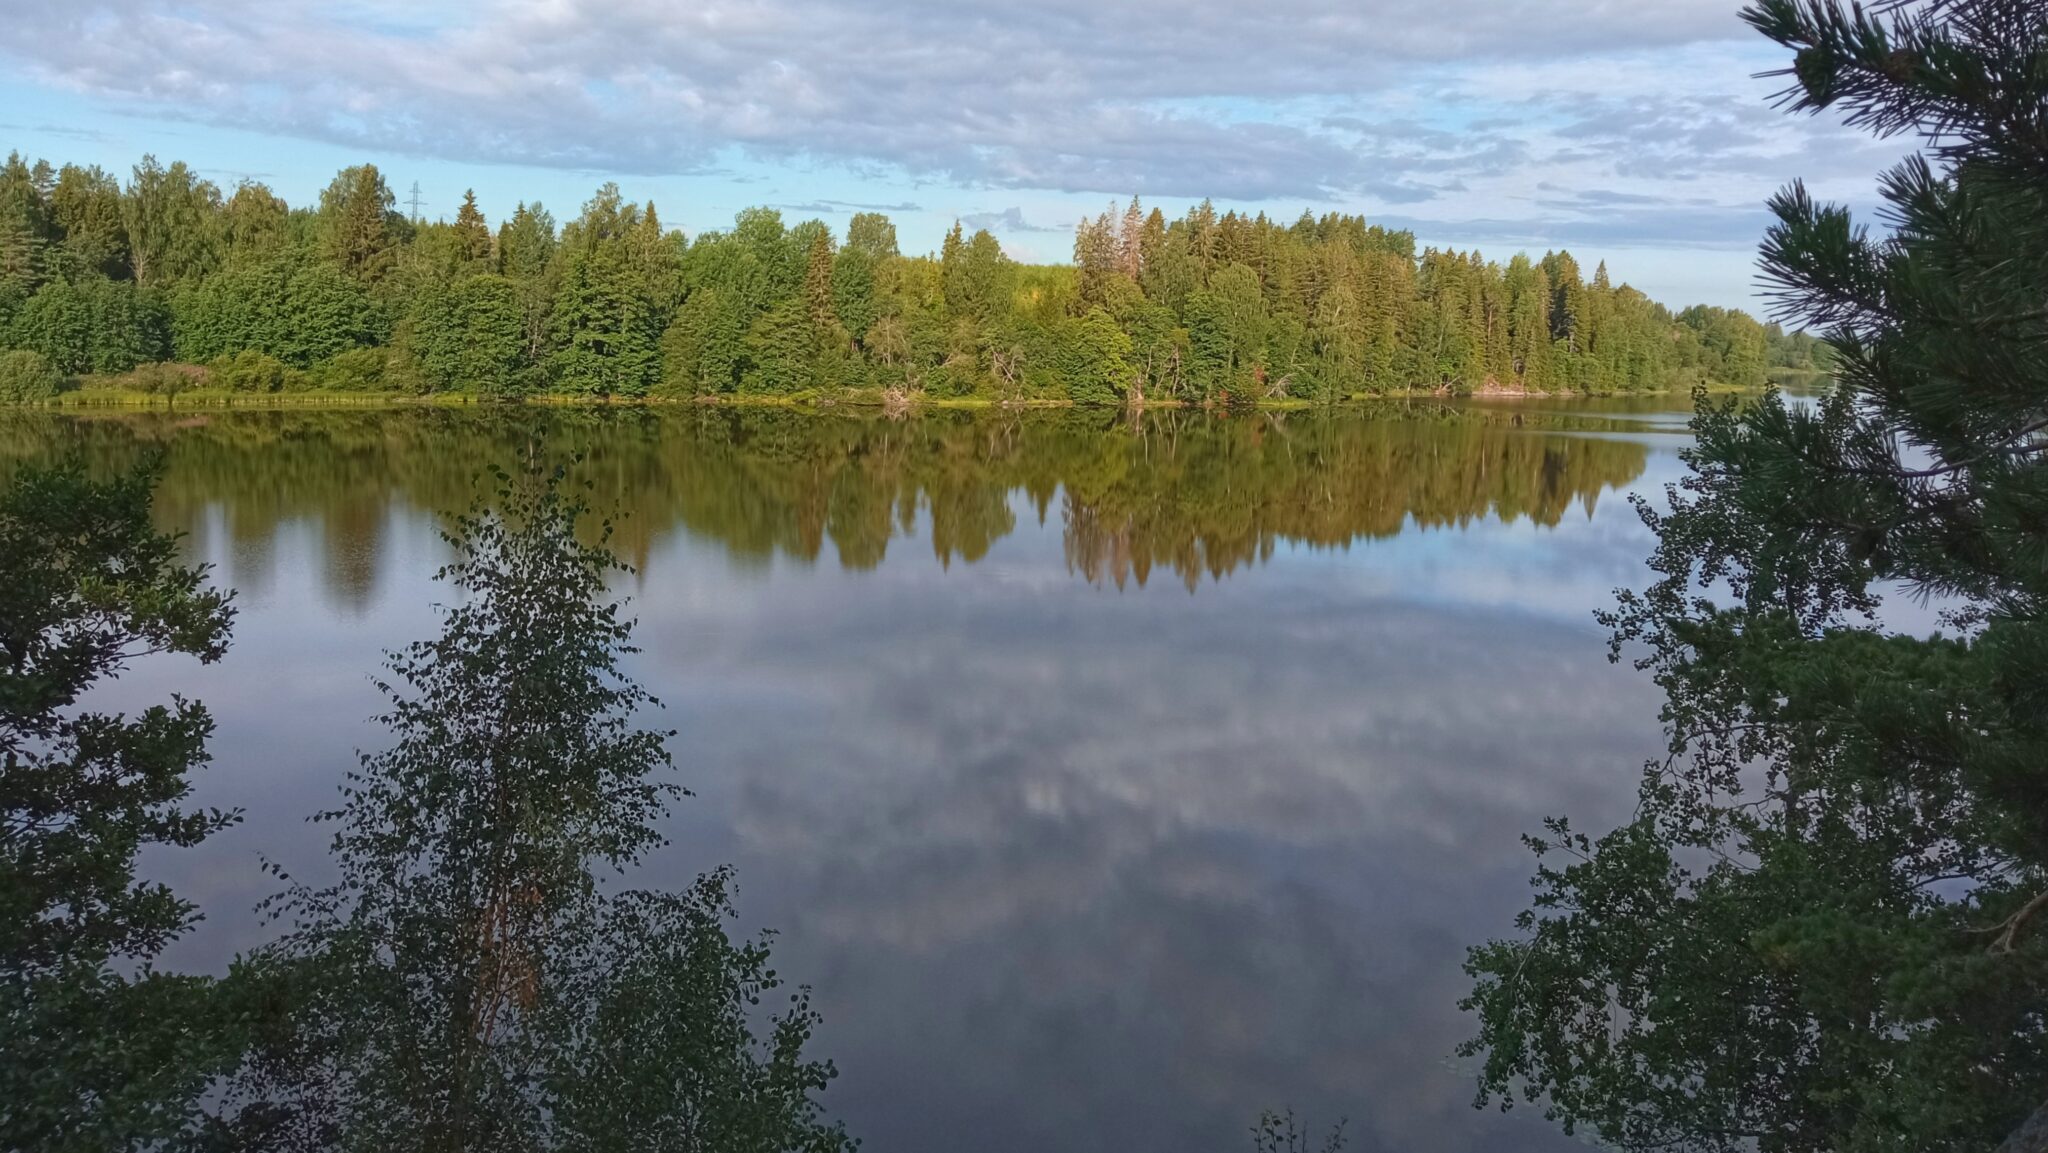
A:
(474, 233)
(357, 212)
(1827, 927)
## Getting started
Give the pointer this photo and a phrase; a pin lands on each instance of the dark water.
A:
(1110, 782)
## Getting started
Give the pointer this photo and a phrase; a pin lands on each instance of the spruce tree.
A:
(356, 212)
(474, 234)
(24, 228)
(818, 287)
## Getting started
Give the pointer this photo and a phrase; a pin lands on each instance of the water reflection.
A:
(1195, 495)
(1069, 868)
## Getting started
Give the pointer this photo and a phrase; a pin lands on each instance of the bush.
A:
(249, 371)
(27, 377)
(160, 379)
(357, 370)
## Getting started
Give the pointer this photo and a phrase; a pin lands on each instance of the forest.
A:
(167, 285)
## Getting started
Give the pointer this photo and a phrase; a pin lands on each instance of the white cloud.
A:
(1450, 110)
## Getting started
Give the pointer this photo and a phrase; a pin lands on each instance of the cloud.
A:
(1662, 226)
(62, 130)
(1070, 95)
(1502, 120)
(1008, 220)
(838, 207)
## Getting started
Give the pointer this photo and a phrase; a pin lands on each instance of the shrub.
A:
(249, 371)
(357, 370)
(27, 377)
(161, 379)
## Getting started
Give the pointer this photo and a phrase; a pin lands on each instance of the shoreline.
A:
(204, 399)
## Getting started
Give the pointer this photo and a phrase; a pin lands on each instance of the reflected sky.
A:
(1076, 851)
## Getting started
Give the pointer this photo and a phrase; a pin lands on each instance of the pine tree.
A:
(1826, 925)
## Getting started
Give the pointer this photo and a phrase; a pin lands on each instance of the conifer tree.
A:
(1344, 307)
(818, 286)
(474, 234)
(24, 229)
(1826, 927)
(1130, 240)
(356, 213)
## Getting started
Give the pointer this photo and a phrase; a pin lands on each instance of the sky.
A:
(1634, 131)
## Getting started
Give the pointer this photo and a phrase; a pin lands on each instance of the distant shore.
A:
(203, 398)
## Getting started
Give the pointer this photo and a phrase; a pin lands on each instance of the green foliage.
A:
(1216, 308)
(27, 376)
(779, 352)
(1725, 344)
(705, 347)
(249, 371)
(357, 370)
(359, 225)
(157, 379)
(871, 234)
(1824, 928)
(619, 286)
(1228, 327)
(473, 231)
(170, 217)
(25, 229)
(93, 325)
(85, 210)
(254, 224)
(1096, 365)
(853, 290)
(298, 310)
(468, 336)
(467, 983)
(96, 1053)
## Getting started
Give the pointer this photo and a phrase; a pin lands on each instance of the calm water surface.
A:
(1109, 782)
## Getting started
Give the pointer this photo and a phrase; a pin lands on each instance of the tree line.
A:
(167, 283)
